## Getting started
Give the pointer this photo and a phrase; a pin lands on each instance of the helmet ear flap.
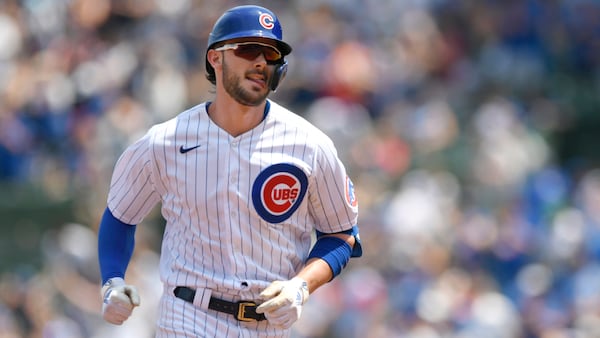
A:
(278, 75)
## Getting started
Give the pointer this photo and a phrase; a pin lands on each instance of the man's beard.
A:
(232, 85)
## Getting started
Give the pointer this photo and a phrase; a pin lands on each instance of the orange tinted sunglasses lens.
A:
(251, 52)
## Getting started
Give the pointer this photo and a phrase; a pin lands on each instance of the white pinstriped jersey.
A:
(240, 211)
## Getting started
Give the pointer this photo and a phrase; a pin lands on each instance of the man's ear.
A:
(214, 58)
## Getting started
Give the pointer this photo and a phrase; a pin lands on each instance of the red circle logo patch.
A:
(278, 191)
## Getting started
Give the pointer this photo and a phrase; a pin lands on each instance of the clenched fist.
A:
(283, 301)
(119, 300)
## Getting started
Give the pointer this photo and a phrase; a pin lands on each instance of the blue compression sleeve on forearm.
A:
(115, 246)
(357, 248)
(335, 251)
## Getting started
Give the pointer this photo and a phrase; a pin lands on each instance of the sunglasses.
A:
(251, 50)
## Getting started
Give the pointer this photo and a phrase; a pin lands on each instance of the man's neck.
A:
(235, 118)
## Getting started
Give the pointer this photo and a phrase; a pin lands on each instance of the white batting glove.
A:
(119, 300)
(284, 300)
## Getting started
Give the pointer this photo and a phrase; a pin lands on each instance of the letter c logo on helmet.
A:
(266, 20)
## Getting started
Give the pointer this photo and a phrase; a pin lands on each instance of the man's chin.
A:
(250, 96)
(255, 100)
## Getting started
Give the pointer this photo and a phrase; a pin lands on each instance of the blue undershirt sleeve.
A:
(335, 251)
(116, 241)
(357, 249)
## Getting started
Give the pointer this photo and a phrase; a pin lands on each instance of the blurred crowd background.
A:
(471, 129)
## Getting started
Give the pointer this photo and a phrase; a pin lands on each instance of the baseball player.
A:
(244, 184)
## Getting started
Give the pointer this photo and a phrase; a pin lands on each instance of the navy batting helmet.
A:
(249, 22)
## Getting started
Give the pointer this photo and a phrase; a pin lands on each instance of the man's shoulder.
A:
(287, 116)
(187, 116)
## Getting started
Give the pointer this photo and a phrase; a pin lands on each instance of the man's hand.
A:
(284, 300)
(119, 300)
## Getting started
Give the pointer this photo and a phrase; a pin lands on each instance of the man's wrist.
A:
(111, 283)
(303, 286)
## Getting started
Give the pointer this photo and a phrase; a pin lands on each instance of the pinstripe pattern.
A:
(214, 237)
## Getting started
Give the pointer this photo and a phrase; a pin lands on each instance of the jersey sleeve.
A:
(332, 201)
(133, 192)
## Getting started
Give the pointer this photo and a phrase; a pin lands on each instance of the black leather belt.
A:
(244, 311)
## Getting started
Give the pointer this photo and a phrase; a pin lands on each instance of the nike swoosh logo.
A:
(185, 150)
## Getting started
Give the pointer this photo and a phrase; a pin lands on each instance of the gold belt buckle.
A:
(241, 316)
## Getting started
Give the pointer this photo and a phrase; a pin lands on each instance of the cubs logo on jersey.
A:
(278, 191)
(350, 196)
